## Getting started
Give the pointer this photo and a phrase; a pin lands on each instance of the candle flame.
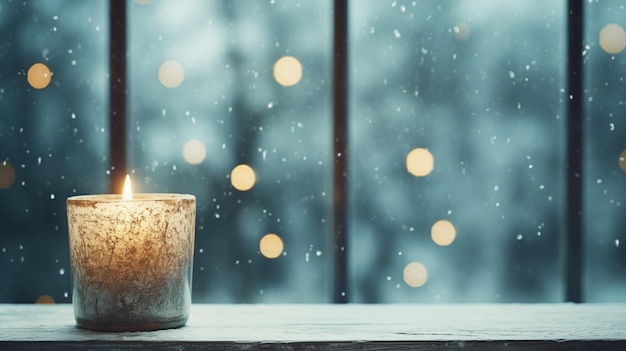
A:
(128, 189)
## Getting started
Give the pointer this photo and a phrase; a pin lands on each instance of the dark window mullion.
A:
(574, 189)
(117, 94)
(340, 151)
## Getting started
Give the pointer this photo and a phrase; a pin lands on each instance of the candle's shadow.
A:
(88, 334)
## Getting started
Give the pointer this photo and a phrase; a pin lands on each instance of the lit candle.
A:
(131, 259)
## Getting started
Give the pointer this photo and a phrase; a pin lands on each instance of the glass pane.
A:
(214, 85)
(605, 167)
(53, 135)
(457, 133)
(457, 150)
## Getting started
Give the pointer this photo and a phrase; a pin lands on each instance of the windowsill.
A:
(395, 326)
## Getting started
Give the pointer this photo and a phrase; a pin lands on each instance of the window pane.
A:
(605, 167)
(457, 165)
(215, 85)
(53, 135)
(457, 150)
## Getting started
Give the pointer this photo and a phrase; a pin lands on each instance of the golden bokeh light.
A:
(45, 300)
(271, 246)
(420, 162)
(171, 74)
(39, 76)
(7, 175)
(443, 233)
(461, 31)
(612, 38)
(242, 177)
(622, 161)
(415, 274)
(194, 151)
(287, 71)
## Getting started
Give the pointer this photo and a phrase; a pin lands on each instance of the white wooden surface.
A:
(317, 324)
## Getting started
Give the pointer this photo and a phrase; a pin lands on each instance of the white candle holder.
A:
(131, 260)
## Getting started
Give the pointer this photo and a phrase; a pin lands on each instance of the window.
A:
(457, 171)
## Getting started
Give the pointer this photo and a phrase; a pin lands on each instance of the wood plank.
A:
(296, 327)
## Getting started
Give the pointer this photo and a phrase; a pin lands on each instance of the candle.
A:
(131, 258)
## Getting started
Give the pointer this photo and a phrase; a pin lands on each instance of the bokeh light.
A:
(622, 160)
(443, 233)
(415, 274)
(45, 300)
(194, 151)
(287, 71)
(420, 162)
(271, 246)
(39, 76)
(612, 38)
(171, 74)
(7, 175)
(461, 31)
(242, 177)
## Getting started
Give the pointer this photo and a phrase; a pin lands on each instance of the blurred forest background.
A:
(479, 88)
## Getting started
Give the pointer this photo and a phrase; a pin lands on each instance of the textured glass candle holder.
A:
(131, 260)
